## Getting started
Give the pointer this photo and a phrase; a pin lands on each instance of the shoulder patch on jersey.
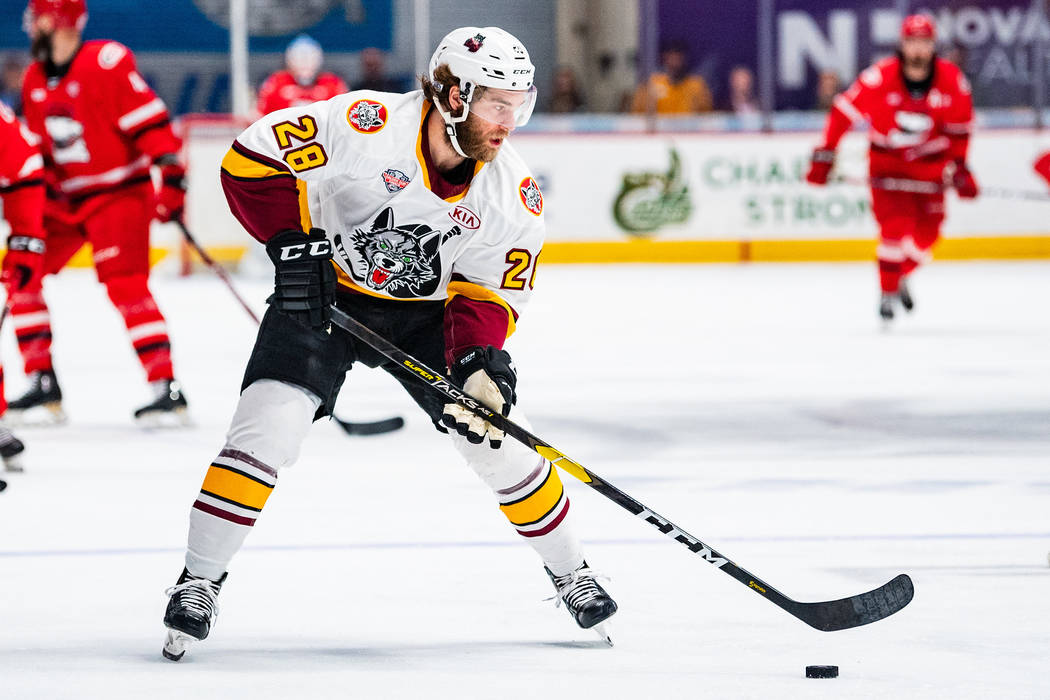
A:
(110, 55)
(367, 116)
(872, 77)
(531, 196)
(395, 180)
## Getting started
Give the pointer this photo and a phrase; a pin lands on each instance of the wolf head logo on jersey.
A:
(401, 261)
(367, 117)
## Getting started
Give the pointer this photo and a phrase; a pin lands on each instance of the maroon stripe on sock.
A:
(212, 510)
(247, 459)
(535, 473)
(550, 527)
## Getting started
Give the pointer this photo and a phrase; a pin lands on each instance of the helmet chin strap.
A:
(450, 124)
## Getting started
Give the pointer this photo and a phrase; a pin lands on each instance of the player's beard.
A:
(40, 47)
(473, 136)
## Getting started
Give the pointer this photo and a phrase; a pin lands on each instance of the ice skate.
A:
(168, 408)
(192, 608)
(11, 449)
(886, 307)
(41, 404)
(904, 294)
(585, 599)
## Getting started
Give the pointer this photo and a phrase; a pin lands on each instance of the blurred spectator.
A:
(828, 85)
(565, 93)
(373, 73)
(301, 82)
(14, 70)
(673, 91)
(742, 100)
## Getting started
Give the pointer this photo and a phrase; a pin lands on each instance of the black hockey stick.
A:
(215, 267)
(826, 616)
(3, 317)
(378, 427)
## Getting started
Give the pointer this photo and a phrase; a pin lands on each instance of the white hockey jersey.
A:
(359, 173)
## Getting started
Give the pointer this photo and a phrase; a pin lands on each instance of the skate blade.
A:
(602, 630)
(175, 645)
(179, 418)
(38, 416)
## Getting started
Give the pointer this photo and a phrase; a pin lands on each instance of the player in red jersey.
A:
(102, 129)
(920, 111)
(300, 83)
(22, 192)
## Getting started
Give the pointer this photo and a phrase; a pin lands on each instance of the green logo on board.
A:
(650, 201)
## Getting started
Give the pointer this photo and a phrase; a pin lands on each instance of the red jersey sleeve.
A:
(265, 102)
(140, 115)
(21, 177)
(853, 105)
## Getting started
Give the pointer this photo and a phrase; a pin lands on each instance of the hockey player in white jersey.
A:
(434, 225)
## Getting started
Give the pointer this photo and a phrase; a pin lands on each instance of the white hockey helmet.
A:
(303, 58)
(486, 57)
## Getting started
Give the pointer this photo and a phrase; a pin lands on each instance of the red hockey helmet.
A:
(920, 26)
(67, 13)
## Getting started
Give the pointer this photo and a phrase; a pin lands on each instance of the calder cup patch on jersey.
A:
(366, 116)
(531, 196)
(395, 180)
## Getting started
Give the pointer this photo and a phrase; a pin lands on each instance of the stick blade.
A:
(386, 425)
(862, 609)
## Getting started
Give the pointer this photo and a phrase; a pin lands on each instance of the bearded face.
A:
(480, 139)
(917, 53)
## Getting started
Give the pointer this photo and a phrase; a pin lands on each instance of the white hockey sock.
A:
(531, 495)
(268, 427)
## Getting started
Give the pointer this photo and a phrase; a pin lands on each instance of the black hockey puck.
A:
(3, 484)
(822, 671)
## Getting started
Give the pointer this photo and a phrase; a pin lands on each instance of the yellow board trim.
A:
(479, 293)
(536, 505)
(236, 487)
(241, 166)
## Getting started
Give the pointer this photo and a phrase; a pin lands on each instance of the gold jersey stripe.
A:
(236, 487)
(304, 207)
(240, 165)
(423, 164)
(479, 293)
(537, 504)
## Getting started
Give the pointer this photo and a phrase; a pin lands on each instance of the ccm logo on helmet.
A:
(318, 249)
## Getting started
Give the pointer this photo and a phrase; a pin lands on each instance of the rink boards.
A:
(697, 197)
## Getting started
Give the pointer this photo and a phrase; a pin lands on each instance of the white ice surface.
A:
(759, 407)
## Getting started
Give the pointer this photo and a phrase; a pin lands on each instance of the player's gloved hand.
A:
(820, 165)
(171, 200)
(963, 181)
(23, 262)
(489, 376)
(304, 279)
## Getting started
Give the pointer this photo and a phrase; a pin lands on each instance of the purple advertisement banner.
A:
(996, 42)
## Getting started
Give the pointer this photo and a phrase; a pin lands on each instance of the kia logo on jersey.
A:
(465, 217)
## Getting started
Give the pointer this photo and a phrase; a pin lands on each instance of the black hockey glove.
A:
(489, 376)
(304, 279)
